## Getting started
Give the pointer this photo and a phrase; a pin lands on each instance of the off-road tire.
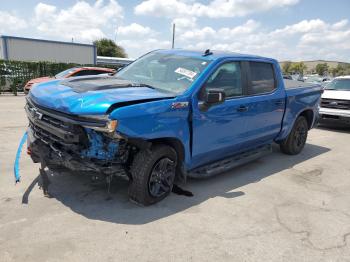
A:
(296, 139)
(141, 170)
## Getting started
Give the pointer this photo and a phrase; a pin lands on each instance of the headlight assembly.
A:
(104, 124)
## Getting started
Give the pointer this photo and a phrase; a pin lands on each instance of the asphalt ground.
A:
(278, 208)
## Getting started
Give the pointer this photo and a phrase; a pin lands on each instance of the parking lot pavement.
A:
(278, 208)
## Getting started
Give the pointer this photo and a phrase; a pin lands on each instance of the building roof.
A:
(44, 40)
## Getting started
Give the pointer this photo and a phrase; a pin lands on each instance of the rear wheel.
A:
(296, 140)
(153, 172)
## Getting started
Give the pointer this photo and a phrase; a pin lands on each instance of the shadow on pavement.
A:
(76, 192)
(335, 127)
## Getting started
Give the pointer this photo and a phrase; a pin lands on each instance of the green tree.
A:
(286, 67)
(107, 47)
(322, 69)
(298, 67)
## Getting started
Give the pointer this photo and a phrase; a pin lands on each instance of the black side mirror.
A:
(212, 96)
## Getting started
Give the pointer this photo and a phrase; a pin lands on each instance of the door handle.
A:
(242, 109)
(279, 103)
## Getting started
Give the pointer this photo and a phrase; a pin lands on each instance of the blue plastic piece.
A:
(98, 149)
(18, 156)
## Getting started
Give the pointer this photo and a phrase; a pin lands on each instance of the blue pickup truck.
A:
(169, 115)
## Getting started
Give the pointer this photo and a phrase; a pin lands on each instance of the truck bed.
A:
(300, 96)
(289, 84)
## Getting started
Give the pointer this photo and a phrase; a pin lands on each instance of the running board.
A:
(231, 162)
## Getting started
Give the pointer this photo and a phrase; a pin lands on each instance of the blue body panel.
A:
(205, 136)
(155, 120)
(297, 101)
(238, 131)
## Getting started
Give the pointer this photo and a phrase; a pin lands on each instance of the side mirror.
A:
(213, 96)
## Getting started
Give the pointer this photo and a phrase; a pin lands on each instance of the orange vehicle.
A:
(72, 72)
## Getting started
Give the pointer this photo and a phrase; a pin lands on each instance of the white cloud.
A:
(214, 9)
(137, 48)
(82, 21)
(340, 24)
(304, 26)
(198, 34)
(135, 30)
(10, 23)
(184, 23)
(307, 39)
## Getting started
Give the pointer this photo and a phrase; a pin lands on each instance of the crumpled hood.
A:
(69, 96)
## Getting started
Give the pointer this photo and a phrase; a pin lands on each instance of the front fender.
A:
(156, 120)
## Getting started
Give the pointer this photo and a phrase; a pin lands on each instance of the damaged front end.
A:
(84, 144)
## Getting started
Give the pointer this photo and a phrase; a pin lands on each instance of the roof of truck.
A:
(214, 54)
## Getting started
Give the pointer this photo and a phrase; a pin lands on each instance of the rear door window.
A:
(262, 78)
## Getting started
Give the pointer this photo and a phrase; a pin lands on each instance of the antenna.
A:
(173, 42)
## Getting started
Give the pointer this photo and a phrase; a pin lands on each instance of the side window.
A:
(262, 77)
(228, 78)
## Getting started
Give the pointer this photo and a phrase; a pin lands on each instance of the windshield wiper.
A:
(142, 84)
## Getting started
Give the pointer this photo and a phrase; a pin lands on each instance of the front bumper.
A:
(62, 144)
(331, 115)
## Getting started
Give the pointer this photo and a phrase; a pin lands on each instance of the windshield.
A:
(64, 73)
(166, 72)
(338, 84)
(313, 79)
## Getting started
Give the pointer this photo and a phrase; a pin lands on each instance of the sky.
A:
(283, 29)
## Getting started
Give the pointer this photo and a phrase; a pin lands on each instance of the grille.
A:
(54, 131)
(48, 119)
(335, 103)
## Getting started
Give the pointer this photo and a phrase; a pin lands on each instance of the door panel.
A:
(219, 131)
(266, 104)
(241, 122)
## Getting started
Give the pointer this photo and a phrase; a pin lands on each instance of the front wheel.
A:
(153, 172)
(296, 140)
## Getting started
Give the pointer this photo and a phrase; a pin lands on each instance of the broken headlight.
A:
(104, 123)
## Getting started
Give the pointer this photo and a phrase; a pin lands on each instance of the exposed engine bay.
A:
(60, 141)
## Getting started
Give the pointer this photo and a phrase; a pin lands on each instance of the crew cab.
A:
(335, 102)
(169, 115)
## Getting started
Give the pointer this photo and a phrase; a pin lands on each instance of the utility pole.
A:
(173, 43)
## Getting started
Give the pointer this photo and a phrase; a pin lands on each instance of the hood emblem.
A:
(333, 103)
(35, 114)
(179, 105)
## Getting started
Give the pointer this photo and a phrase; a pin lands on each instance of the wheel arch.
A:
(179, 148)
(309, 116)
(174, 143)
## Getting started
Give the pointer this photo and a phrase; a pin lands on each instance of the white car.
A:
(335, 101)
